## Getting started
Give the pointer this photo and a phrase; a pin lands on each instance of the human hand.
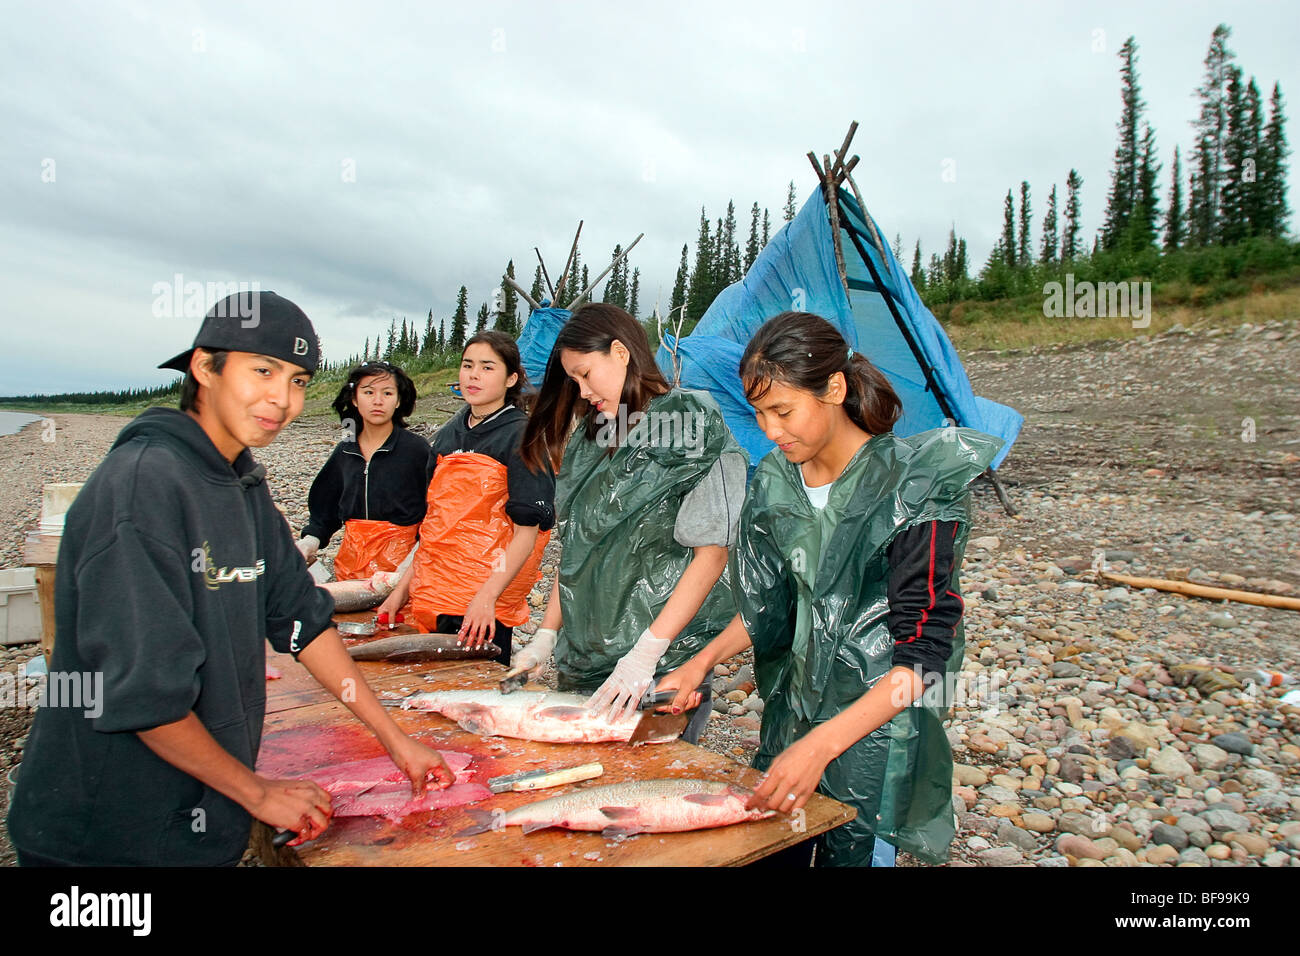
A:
(533, 657)
(418, 761)
(622, 691)
(479, 624)
(684, 680)
(308, 545)
(298, 805)
(793, 776)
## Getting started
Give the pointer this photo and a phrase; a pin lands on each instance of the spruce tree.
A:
(1070, 248)
(767, 228)
(365, 352)
(537, 292)
(934, 277)
(1210, 127)
(1272, 170)
(403, 340)
(1047, 251)
(1253, 204)
(634, 293)
(898, 246)
(1124, 177)
(789, 211)
(392, 340)
(615, 289)
(459, 322)
(430, 339)
(961, 260)
(918, 273)
(1142, 226)
(1175, 225)
(1233, 226)
(1024, 254)
(482, 318)
(730, 248)
(679, 284)
(1009, 231)
(751, 247)
(701, 280)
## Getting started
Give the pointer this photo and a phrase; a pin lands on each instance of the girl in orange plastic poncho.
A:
(372, 484)
(489, 517)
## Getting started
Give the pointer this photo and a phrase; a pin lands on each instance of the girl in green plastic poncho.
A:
(846, 583)
(649, 484)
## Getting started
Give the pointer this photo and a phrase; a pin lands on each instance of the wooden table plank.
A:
(304, 737)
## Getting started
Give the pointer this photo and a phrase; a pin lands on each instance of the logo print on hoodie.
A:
(214, 577)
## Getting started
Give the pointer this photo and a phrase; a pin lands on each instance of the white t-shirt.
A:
(818, 496)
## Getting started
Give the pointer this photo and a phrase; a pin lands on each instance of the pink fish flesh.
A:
(528, 715)
(273, 673)
(377, 788)
(636, 806)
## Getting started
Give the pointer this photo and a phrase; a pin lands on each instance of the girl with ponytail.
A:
(846, 579)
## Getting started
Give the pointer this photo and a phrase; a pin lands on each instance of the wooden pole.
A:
(595, 282)
(844, 148)
(541, 263)
(522, 292)
(831, 193)
(569, 261)
(1204, 591)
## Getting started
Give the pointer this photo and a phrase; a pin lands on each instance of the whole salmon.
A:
(637, 806)
(529, 715)
(415, 648)
(363, 594)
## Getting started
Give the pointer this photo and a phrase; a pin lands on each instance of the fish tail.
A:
(483, 822)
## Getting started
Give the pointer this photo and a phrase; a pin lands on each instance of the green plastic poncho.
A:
(615, 516)
(812, 590)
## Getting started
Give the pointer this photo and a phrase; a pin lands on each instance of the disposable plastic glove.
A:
(308, 546)
(619, 696)
(536, 654)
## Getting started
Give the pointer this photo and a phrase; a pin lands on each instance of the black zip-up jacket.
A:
(174, 571)
(531, 498)
(390, 487)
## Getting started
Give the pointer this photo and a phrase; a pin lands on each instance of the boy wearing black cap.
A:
(174, 570)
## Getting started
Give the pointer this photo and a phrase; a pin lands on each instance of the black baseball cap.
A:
(259, 322)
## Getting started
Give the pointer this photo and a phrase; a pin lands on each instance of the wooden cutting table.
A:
(306, 728)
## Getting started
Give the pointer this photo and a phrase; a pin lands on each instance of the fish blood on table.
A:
(378, 788)
(637, 806)
(529, 715)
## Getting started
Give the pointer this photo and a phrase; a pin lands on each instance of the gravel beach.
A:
(1096, 725)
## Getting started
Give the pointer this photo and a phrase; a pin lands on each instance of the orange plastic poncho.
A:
(371, 546)
(463, 540)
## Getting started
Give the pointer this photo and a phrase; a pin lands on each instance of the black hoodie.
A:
(174, 570)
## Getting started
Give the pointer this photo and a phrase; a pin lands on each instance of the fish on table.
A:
(419, 648)
(548, 716)
(666, 805)
(362, 594)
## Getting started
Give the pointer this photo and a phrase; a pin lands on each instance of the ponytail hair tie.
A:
(850, 355)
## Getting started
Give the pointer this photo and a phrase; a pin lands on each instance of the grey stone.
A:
(1071, 769)
(1173, 836)
(1195, 856)
(1235, 743)
(1222, 820)
(1022, 839)
(1171, 763)
(1083, 824)
(1210, 757)
(1066, 669)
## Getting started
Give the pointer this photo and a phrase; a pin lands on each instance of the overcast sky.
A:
(366, 160)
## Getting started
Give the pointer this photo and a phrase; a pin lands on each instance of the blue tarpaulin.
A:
(796, 271)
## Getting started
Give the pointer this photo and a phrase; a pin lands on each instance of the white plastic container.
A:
(20, 612)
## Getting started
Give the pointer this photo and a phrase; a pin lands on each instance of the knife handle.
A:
(587, 771)
(660, 697)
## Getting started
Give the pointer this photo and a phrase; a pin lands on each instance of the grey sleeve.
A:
(710, 514)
